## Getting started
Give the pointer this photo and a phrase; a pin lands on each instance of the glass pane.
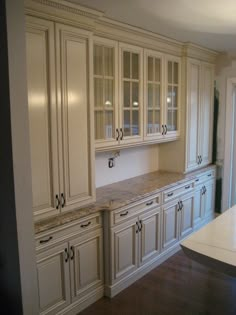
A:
(108, 92)
(157, 70)
(176, 72)
(150, 95)
(156, 126)
(150, 69)
(135, 74)
(157, 95)
(109, 130)
(169, 72)
(169, 120)
(97, 59)
(126, 65)
(169, 96)
(98, 91)
(175, 96)
(99, 134)
(135, 96)
(108, 61)
(150, 122)
(126, 94)
(135, 123)
(127, 130)
(174, 122)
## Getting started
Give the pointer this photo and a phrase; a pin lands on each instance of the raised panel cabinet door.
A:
(198, 206)
(153, 95)
(193, 113)
(170, 224)
(53, 279)
(206, 114)
(186, 215)
(42, 115)
(105, 76)
(131, 93)
(86, 264)
(150, 235)
(124, 247)
(209, 198)
(73, 62)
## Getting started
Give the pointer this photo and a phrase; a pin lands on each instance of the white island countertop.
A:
(215, 244)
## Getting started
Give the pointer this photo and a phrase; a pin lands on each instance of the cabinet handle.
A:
(58, 202)
(67, 255)
(181, 205)
(178, 207)
(197, 180)
(141, 225)
(63, 201)
(205, 190)
(166, 129)
(46, 240)
(122, 134)
(149, 203)
(124, 214)
(73, 253)
(117, 134)
(137, 228)
(200, 159)
(187, 187)
(163, 130)
(170, 194)
(209, 175)
(85, 225)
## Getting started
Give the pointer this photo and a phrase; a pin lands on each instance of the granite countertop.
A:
(118, 195)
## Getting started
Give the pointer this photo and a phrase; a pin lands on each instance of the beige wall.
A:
(131, 162)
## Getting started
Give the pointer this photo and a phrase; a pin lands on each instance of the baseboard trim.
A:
(112, 290)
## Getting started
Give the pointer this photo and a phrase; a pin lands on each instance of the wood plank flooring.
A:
(179, 286)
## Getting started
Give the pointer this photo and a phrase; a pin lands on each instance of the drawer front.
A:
(121, 215)
(202, 178)
(177, 191)
(48, 238)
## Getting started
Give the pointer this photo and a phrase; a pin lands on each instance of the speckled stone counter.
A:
(120, 194)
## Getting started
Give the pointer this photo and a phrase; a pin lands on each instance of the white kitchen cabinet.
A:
(70, 267)
(61, 130)
(199, 113)
(177, 220)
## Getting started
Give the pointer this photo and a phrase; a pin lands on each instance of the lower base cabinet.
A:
(68, 273)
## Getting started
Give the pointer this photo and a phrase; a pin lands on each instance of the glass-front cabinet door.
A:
(172, 97)
(105, 70)
(153, 95)
(131, 93)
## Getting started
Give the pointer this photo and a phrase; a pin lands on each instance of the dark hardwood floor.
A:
(177, 287)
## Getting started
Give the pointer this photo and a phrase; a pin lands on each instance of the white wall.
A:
(131, 162)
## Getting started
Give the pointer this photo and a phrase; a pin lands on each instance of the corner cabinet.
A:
(199, 82)
(60, 116)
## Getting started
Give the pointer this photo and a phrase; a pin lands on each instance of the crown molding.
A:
(198, 52)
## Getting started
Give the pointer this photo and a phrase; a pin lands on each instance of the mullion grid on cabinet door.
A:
(153, 102)
(104, 95)
(131, 106)
(172, 95)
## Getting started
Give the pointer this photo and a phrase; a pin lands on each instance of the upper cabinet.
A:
(60, 117)
(200, 76)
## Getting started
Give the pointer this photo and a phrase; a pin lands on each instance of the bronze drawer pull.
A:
(124, 214)
(209, 175)
(170, 194)
(46, 240)
(197, 180)
(149, 203)
(85, 225)
(187, 187)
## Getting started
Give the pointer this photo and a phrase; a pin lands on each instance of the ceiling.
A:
(210, 23)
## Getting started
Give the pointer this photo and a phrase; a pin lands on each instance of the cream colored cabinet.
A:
(61, 131)
(177, 220)
(199, 113)
(70, 272)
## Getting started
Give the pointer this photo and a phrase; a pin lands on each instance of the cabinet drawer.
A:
(201, 178)
(121, 215)
(48, 238)
(177, 191)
